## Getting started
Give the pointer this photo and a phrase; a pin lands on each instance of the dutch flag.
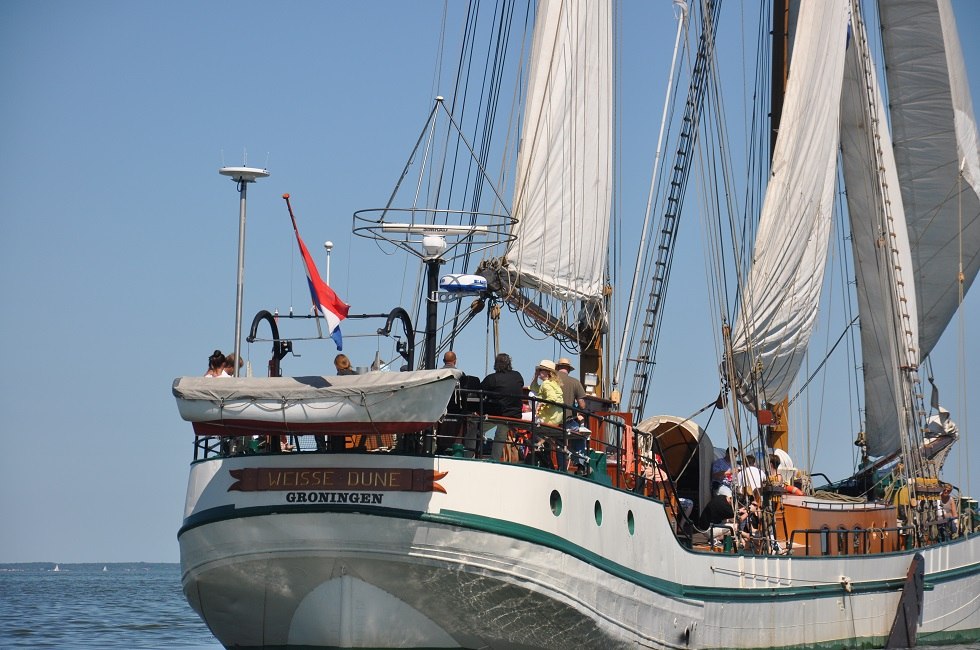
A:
(325, 300)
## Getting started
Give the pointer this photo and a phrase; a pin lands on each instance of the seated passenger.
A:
(717, 514)
(947, 509)
(721, 469)
(749, 527)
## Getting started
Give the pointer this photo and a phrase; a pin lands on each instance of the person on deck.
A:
(573, 396)
(572, 390)
(462, 429)
(947, 509)
(503, 397)
(717, 516)
(655, 479)
(230, 364)
(721, 469)
(216, 364)
(750, 478)
(749, 527)
(547, 388)
(342, 364)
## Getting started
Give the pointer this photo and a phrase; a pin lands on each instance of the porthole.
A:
(598, 514)
(630, 522)
(555, 503)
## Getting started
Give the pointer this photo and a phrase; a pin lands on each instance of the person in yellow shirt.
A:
(547, 388)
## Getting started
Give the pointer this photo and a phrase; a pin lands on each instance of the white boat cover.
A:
(377, 401)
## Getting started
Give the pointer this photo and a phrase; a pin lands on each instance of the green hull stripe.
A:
(667, 588)
(549, 540)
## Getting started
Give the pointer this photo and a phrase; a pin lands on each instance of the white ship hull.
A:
(488, 563)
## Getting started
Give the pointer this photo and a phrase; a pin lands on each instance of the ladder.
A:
(643, 360)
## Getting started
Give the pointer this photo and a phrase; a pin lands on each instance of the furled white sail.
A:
(935, 136)
(780, 304)
(563, 187)
(879, 239)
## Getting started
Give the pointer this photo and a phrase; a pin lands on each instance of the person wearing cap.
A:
(717, 513)
(547, 388)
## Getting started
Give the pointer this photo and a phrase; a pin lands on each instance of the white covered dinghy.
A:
(377, 402)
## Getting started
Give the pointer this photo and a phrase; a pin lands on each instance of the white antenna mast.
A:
(242, 176)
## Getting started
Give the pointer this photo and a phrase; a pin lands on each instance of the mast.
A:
(242, 176)
(780, 68)
(778, 435)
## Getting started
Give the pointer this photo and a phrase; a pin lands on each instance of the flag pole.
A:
(316, 311)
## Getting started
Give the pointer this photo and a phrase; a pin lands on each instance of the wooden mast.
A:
(778, 437)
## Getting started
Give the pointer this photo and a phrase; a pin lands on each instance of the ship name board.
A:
(259, 479)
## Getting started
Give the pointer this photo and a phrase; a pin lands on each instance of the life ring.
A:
(792, 489)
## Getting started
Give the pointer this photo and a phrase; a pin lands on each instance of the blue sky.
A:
(118, 237)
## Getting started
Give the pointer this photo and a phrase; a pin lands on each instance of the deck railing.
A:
(600, 446)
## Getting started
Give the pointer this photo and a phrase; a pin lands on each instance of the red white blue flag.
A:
(325, 300)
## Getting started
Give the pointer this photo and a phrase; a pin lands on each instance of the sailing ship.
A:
(372, 514)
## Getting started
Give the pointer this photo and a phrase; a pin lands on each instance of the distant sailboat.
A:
(104, 568)
(56, 568)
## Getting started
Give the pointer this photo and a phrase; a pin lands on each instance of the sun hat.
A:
(564, 361)
(547, 364)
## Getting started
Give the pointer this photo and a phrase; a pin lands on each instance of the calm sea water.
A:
(131, 605)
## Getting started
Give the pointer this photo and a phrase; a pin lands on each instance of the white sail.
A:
(563, 187)
(935, 138)
(781, 299)
(879, 239)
